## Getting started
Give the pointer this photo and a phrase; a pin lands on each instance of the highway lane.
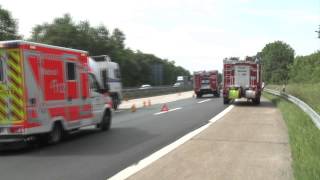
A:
(91, 154)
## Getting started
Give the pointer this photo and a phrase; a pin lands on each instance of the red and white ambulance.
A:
(47, 90)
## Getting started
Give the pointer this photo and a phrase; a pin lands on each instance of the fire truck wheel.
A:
(106, 122)
(225, 100)
(199, 95)
(115, 103)
(256, 100)
(56, 134)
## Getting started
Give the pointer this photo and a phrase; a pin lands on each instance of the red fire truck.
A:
(47, 90)
(242, 78)
(206, 82)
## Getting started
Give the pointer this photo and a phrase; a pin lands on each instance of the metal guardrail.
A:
(156, 90)
(305, 107)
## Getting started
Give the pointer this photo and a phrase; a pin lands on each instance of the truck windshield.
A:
(205, 81)
(93, 83)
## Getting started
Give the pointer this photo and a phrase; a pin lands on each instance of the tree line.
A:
(135, 66)
(280, 66)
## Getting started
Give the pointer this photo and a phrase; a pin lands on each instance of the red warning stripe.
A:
(3, 113)
(17, 84)
(3, 102)
(16, 95)
(16, 73)
(13, 59)
(17, 116)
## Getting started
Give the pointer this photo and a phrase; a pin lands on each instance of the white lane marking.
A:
(117, 111)
(204, 101)
(162, 112)
(129, 171)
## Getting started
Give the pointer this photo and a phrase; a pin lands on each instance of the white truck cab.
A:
(108, 75)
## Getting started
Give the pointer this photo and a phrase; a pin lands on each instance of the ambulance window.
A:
(71, 71)
(1, 71)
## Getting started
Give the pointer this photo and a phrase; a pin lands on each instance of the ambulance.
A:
(46, 91)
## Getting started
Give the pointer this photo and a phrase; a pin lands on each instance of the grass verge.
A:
(309, 93)
(304, 139)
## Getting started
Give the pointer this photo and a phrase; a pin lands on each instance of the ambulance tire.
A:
(56, 134)
(106, 122)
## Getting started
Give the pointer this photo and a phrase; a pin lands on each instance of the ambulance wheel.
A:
(106, 122)
(225, 100)
(56, 134)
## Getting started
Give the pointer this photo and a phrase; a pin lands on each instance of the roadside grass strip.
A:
(304, 138)
(309, 93)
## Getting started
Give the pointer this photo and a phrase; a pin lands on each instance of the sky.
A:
(196, 34)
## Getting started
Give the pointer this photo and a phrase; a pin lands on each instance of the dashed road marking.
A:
(204, 101)
(162, 112)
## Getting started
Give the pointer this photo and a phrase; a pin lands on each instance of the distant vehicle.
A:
(145, 86)
(242, 78)
(206, 82)
(177, 84)
(183, 80)
(108, 74)
(47, 90)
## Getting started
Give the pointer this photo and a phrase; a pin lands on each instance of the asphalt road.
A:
(92, 155)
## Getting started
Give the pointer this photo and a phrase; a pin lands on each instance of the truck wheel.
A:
(56, 134)
(225, 100)
(115, 102)
(256, 100)
(106, 122)
(199, 95)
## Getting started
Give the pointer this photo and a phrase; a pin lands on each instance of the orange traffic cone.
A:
(164, 108)
(149, 102)
(133, 108)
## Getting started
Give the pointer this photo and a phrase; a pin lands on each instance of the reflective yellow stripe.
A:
(15, 85)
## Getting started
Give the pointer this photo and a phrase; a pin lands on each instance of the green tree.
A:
(62, 32)
(306, 69)
(8, 26)
(135, 66)
(276, 58)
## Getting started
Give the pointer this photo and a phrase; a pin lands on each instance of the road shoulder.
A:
(250, 142)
